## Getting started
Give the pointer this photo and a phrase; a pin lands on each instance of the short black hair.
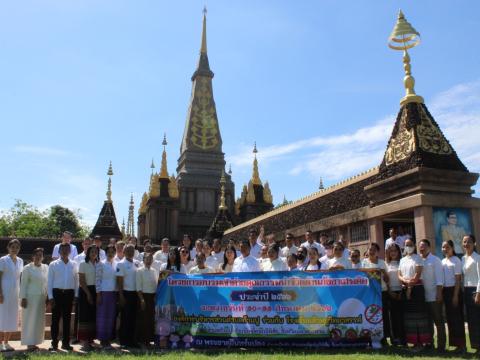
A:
(246, 243)
(425, 241)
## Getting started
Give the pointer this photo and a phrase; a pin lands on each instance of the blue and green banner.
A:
(287, 309)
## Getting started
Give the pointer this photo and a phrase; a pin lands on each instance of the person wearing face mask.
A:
(416, 323)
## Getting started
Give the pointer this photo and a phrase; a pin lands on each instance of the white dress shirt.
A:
(275, 265)
(393, 279)
(62, 276)
(185, 268)
(197, 270)
(160, 256)
(127, 270)
(432, 276)
(367, 264)
(400, 241)
(255, 250)
(471, 270)
(246, 264)
(212, 262)
(341, 261)
(80, 258)
(409, 264)
(452, 266)
(73, 251)
(106, 278)
(288, 251)
(315, 267)
(319, 247)
(147, 280)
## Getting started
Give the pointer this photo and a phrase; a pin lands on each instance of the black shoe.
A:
(67, 347)
(53, 347)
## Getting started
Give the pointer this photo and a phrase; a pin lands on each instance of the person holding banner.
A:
(373, 262)
(186, 262)
(338, 262)
(313, 260)
(292, 262)
(229, 257)
(417, 325)
(274, 263)
(200, 268)
(245, 262)
(395, 310)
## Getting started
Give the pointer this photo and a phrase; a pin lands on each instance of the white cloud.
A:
(40, 150)
(457, 111)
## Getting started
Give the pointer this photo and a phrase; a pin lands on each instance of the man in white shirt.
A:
(289, 248)
(433, 280)
(310, 242)
(66, 239)
(119, 246)
(274, 262)
(162, 255)
(62, 286)
(255, 242)
(245, 262)
(85, 245)
(217, 252)
(394, 239)
(127, 291)
(98, 243)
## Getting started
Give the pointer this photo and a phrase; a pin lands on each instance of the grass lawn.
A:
(339, 354)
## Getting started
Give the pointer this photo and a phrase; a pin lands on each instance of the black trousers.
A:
(61, 310)
(128, 318)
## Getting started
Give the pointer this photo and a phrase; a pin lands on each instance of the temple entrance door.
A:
(402, 221)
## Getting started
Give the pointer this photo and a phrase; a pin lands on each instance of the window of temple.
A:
(359, 232)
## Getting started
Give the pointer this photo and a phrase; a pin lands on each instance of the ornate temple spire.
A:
(223, 181)
(130, 223)
(320, 186)
(109, 186)
(230, 169)
(123, 228)
(152, 166)
(255, 176)
(163, 168)
(202, 132)
(404, 37)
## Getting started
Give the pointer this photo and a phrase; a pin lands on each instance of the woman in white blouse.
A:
(87, 298)
(453, 296)
(416, 321)
(186, 262)
(106, 287)
(471, 286)
(338, 261)
(395, 311)
(229, 257)
(10, 269)
(147, 281)
(33, 292)
(313, 260)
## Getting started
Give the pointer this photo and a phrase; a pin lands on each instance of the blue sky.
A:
(313, 82)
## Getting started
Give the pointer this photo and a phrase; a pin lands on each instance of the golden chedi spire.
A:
(404, 37)
(173, 188)
(267, 193)
(223, 181)
(143, 204)
(255, 176)
(109, 186)
(203, 47)
(163, 168)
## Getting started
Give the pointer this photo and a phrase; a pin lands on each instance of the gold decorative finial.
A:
(223, 205)
(163, 168)
(152, 165)
(404, 37)
(109, 187)
(255, 176)
(203, 48)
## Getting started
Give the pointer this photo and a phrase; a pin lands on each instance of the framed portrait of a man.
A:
(451, 224)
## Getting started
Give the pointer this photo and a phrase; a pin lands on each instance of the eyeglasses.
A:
(183, 252)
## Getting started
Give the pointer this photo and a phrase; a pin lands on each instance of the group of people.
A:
(120, 281)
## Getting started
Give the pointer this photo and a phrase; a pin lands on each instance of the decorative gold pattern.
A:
(267, 194)
(250, 193)
(222, 205)
(204, 124)
(143, 205)
(173, 188)
(430, 139)
(403, 144)
(255, 175)
(154, 186)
